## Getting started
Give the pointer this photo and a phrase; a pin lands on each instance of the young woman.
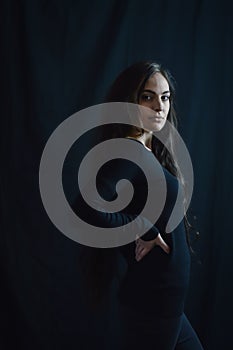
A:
(152, 292)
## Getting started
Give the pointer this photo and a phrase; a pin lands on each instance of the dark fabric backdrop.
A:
(59, 57)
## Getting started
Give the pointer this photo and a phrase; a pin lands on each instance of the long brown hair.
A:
(99, 264)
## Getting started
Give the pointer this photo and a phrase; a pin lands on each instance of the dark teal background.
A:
(58, 57)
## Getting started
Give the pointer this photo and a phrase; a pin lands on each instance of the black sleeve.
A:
(106, 181)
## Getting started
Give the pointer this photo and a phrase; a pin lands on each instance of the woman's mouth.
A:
(156, 118)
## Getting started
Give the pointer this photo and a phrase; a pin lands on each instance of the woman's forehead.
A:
(157, 82)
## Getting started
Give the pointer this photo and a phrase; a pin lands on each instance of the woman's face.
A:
(155, 96)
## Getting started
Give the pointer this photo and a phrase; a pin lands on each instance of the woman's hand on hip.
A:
(144, 247)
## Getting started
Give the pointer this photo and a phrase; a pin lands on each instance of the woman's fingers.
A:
(139, 249)
(166, 248)
(159, 241)
(140, 254)
(144, 247)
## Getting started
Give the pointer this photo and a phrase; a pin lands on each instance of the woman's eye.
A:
(146, 98)
(165, 97)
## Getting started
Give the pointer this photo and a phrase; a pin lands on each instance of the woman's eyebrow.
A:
(152, 92)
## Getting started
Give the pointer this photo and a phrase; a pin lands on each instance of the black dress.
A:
(162, 276)
(152, 292)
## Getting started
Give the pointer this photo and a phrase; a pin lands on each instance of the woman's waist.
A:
(179, 252)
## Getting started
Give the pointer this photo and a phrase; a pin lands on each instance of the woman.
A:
(152, 292)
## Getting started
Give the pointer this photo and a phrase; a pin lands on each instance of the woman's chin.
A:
(155, 128)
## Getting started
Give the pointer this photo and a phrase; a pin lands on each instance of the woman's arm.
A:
(106, 183)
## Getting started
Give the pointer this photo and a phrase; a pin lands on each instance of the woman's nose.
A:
(157, 105)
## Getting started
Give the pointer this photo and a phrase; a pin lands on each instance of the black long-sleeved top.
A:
(159, 281)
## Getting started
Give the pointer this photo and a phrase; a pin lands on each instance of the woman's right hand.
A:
(160, 242)
(144, 247)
